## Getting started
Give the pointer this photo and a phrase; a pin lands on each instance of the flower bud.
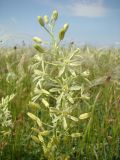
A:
(46, 19)
(38, 48)
(37, 40)
(54, 15)
(66, 26)
(40, 20)
(61, 34)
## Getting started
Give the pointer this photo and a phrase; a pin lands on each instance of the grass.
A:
(100, 138)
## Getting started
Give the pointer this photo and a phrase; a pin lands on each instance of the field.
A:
(59, 103)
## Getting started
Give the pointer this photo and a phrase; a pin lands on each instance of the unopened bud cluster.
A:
(48, 25)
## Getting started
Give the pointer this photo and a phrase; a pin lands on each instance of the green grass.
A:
(100, 139)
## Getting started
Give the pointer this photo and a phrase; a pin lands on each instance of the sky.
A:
(94, 22)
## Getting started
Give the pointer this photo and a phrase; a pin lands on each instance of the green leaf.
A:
(40, 138)
(44, 133)
(85, 96)
(35, 98)
(70, 99)
(37, 72)
(35, 118)
(43, 65)
(76, 135)
(45, 103)
(72, 118)
(45, 91)
(39, 123)
(64, 123)
(61, 71)
(35, 130)
(59, 98)
(32, 116)
(34, 105)
(72, 72)
(56, 119)
(75, 88)
(54, 110)
(54, 90)
(84, 116)
(35, 139)
(37, 91)
(73, 53)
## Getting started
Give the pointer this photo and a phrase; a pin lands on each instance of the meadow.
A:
(59, 102)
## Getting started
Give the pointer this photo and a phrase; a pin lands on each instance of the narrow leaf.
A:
(35, 130)
(34, 105)
(84, 116)
(40, 138)
(45, 91)
(54, 110)
(70, 99)
(44, 133)
(61, 71)
(54, 90)
(35, 139)
(76, 135)
(39, 123)
(45, 103)
(32, 116)
(75, 88)
(64, 123)
(73, 118)
(72, 72)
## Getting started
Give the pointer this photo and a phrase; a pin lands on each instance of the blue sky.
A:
(95, 22)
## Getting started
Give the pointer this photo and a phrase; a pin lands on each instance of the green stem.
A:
(51, 34)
